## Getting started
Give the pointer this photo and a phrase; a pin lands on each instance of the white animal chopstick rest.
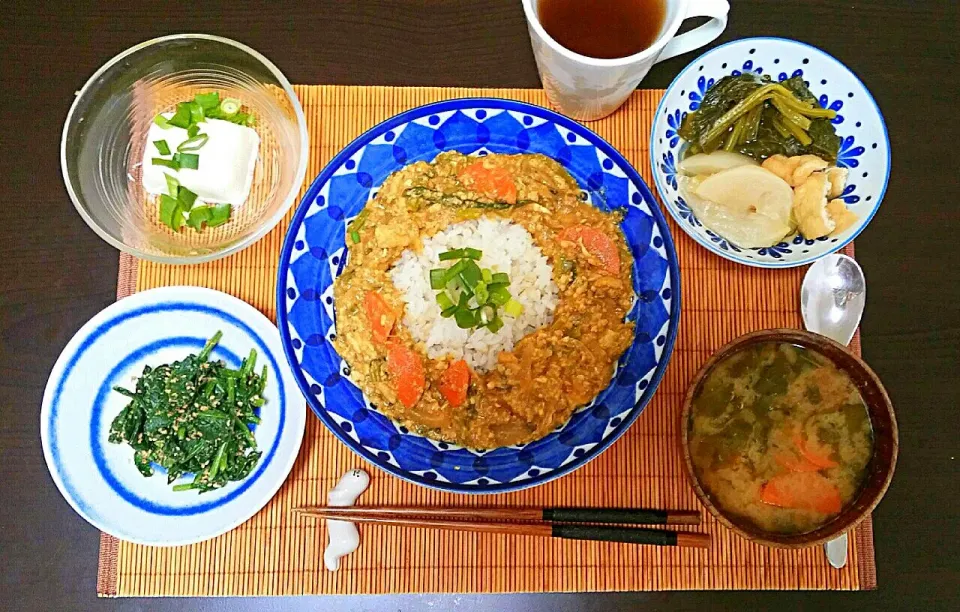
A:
(342, 536)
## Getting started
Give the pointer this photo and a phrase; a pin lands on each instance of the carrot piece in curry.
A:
(406, 370)
(802, 491)
(454, 383)
(380, 316)
(494, 182)
(596, 244)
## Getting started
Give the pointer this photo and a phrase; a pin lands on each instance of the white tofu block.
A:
(227, 161)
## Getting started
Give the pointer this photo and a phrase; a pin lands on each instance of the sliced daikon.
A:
(711, 163)
(741, 226)
(749, 189)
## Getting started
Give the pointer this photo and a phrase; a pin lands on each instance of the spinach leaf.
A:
(193, 417)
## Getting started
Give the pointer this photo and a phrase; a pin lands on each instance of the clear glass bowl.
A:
(106, 132)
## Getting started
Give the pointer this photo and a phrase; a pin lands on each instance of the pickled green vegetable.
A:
(758, 117)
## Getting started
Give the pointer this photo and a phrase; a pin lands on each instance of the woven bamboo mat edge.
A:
(108, 576)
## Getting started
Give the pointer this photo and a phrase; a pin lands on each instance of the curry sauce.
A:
(535, 387)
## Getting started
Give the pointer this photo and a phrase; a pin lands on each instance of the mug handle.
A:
(688, 41)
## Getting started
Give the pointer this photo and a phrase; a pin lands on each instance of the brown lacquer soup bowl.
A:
(879, 469)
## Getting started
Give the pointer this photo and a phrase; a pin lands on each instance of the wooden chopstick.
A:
(629, 516)
(631, 535)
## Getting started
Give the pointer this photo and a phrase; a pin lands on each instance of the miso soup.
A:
(780, 437)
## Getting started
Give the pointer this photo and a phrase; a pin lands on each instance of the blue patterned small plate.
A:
(99, 479)
(864, 150)
(314, 252)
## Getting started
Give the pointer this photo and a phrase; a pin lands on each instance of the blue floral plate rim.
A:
(459, 104)
(661, 190)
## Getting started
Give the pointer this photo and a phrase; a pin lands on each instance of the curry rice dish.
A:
(483, 300)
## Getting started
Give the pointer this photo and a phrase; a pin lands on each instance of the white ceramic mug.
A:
(588, 88)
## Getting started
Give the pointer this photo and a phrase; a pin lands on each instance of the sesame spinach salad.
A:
(193, 417)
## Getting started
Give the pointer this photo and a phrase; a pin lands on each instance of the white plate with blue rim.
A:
(99, 478)
(864, 148)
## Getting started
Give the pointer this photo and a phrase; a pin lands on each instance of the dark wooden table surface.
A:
(55, 273)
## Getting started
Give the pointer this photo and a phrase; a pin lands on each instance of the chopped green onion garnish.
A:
(193, 130)
(438, 279)
(173, 185)
(444, 301)
(465, 318)
(162, 147)
(219, 215)
(471, 273)
(486, 314)
(465, 283)
(355, 236)
(183, 117)
(242, 119)
(194, 144)
(480, 292)
(454, 254)
(500, 296)
(207, 100)
(198, 216)
(455, 270)
(196, 112)
(170, 212)
(186, 197)
(513, 308)
(167, 163)
(359, 220)
(188, 160)
(230, 106)
(162, 121)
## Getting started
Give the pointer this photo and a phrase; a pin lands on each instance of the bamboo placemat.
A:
(274, 554)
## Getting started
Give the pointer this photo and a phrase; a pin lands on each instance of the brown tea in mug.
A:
(604, 29)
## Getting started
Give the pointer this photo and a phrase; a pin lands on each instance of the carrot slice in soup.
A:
(596, 243)
(454, 383)
(380, 316)
(802, 491)
(406, 369)
(494, 182)
(795, 463)
(814, 453)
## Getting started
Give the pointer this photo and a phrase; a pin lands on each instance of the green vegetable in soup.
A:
(773, 377)
(193, 417)
(714, 398)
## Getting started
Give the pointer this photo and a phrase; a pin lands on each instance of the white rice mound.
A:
(507, 247)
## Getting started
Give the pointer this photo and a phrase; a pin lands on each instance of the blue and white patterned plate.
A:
(155, 327)
(864, 150)
(314, 252)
